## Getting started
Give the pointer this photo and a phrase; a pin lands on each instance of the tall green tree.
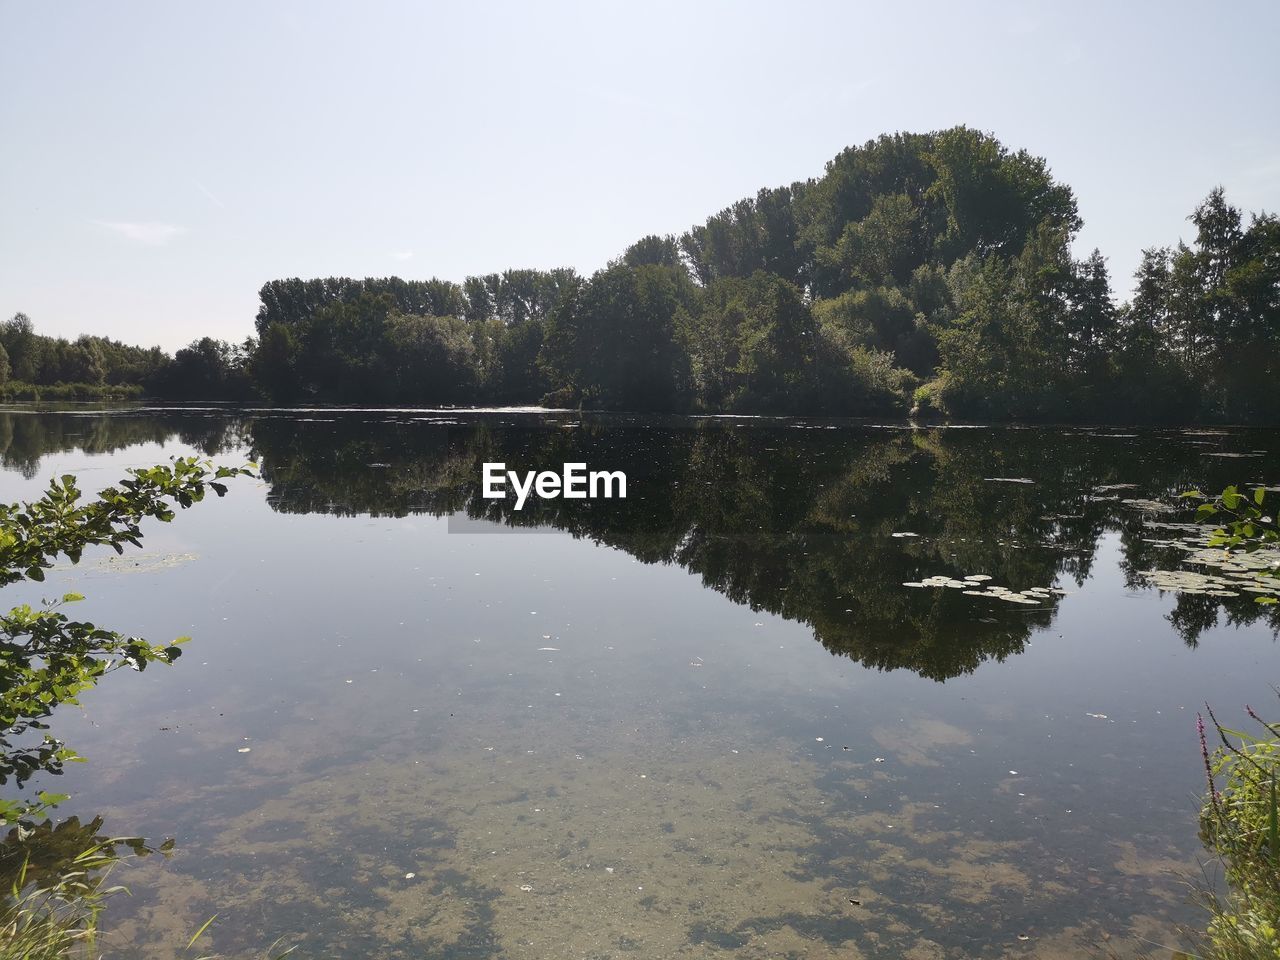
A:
(614, 339)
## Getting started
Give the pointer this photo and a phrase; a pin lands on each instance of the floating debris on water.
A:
(133, 563)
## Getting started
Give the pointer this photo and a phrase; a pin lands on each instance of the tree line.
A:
(927, 272)
(34, 366)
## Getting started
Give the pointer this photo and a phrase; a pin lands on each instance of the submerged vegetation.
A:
(929, 271)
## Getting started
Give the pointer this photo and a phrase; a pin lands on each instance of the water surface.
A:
(705, 721)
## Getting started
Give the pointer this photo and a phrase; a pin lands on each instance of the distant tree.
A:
(752, 347)
(993, 199)
(1146, 319)
(757, 233)
(653, 251)
(1204, 320)
(885, 246)
(430, 360)
(614, 339)
(941, 257)
(274, 367)
(1091, 320)
(207, 369)
(20, 341)
(85, 362)
(1005, 352)
(882, 319)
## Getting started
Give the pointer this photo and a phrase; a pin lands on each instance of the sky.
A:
(160, 161)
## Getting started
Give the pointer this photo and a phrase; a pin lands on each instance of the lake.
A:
(709, 720)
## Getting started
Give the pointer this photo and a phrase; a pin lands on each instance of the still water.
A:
(705, 721)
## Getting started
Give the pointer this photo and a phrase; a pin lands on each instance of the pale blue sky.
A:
(160, 161)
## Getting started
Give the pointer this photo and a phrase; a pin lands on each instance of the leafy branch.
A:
(1241, 524)
(47, 658)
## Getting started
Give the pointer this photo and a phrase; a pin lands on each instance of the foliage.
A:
(47, 658)
(1242, 524)
(614, 339)
(57, 917)
(17, 390)
(1215, 307)
(96, 361)
(56, 874)
(1240, 823)
(752, 347)
(206, 369)
(945, 253)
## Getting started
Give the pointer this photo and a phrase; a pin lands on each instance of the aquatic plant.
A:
(975, 585)
(1243, 527)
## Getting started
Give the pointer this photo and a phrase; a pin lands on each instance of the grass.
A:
(59, 918)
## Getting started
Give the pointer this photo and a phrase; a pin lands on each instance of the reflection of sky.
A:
(332, 647)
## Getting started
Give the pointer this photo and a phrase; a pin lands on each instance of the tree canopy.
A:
(926, 271)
